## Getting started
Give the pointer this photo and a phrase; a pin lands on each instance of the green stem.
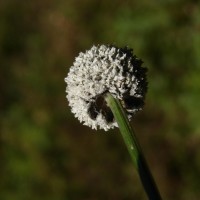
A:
(133, 147)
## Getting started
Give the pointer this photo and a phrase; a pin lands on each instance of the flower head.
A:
(100, 70)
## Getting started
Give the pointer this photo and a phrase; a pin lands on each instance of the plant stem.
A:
(133, 147)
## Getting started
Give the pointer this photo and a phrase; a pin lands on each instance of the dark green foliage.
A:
(45, 153)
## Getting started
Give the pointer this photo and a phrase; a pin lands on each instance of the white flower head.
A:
(102, 69)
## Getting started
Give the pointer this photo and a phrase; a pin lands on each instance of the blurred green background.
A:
(45, 153)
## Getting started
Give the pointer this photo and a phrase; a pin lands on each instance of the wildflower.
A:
(104, 69)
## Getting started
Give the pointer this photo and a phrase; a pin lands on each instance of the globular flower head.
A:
(102, 69)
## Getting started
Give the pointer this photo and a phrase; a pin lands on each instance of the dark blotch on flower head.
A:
(105, 69)
(99, 106)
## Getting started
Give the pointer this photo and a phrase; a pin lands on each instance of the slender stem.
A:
(133, 147)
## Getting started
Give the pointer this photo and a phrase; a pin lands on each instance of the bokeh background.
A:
(45, 153)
